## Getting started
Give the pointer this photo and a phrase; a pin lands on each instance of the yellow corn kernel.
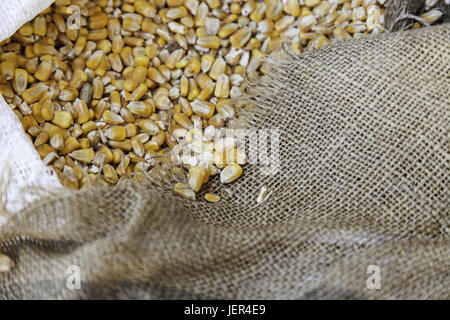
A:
(88, 127)
(57, 141)
(94, 60)
(217, 68)
(306, 23)
(100, 107)
(102, 67)
(82, 111)
(44, 71)
(185, 106)
(127, 115)
(222, 89)
(7, 91)
(230, 173)
(207, 90)
(341, 34)
(133, 41)
(184, 191)
(123, 145)
(118, 155)
(79, 77)
(184, 86)
(7, 69)
(202, 80)
(115, 101)
(97, 34)
(206, 62)
(292, 8)
(284, 23)
(138, 147)
(111, 117)
(196, 177)
(176, 13)
(259, 11)
(63, 119)
(177, 28)
(83, 155)
(230, 18)
(47, 110)
(97, 88)
(44, 150)
(193, 89)
(41, 139)
(117, 133)
(139, 92)
(235, 8)
(117, 44)
(155, 75)
(36, 111)
(204, 109)
(20, 80)
(373, 17)
(132, 130)
(129, 85)
(212, 197)
(139, 74)
(225, 109)
(110, 174)
(140, 108)
(432, 16)
(159, 138)
(80, 44)
(151, 146)
(274, 9)
(84, 143)
(182, 63)
(148, 126)
(131, 22)
(240, 37)
(70, 144)
(26, 30)
(98, 20)
(193, 67)
(344, 16)
(145, 8)
(356, 28)
(210, 42)
(174, 57)
(40, 26)
(312, 3)
(201, 14)
(213, 3)
(183, 120)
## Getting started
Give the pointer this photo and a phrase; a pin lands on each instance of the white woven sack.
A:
(20, 164)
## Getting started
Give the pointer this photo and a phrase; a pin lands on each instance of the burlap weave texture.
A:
(363, 180)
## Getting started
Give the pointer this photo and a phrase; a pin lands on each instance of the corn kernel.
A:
(212, 197)
(184, 191)
(63, 119)
(230, 173)
(117, 133)
(83, 155)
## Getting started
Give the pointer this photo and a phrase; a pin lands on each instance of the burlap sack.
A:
(363, 185)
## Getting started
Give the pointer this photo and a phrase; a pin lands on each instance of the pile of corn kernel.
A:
(141, 79)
